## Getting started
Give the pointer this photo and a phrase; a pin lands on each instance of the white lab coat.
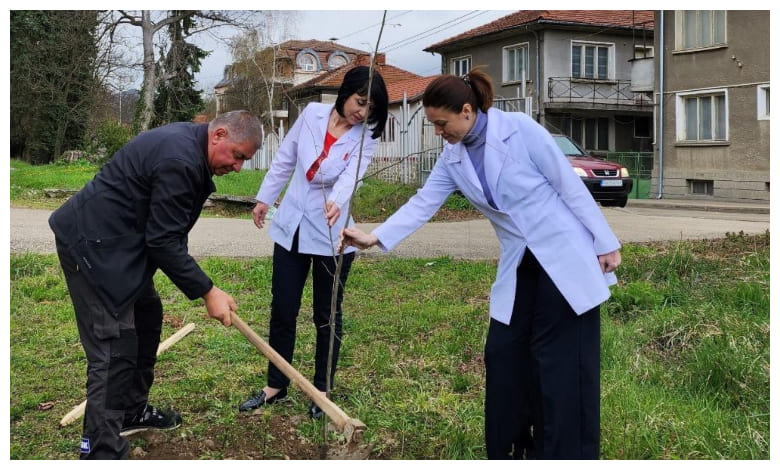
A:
(542, 204)
(302, 206)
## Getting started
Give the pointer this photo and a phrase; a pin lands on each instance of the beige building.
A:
(712, 104)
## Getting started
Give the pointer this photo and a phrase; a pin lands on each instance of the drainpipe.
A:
(661, 112)
(538, 83)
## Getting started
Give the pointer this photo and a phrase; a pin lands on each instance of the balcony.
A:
(584, 93)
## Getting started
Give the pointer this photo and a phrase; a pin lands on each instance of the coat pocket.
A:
(117, 267)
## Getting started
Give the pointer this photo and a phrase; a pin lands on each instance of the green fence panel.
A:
(640, 168)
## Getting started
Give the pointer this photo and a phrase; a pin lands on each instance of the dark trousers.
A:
(542, 375)
(121, 350)
(290, 270)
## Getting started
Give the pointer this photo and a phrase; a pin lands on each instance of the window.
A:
(762, 100)
(702, 117)
(461, 66)
(590, 133)
(700, 28)
(642, 127)
(336, 60)
(643, 52)
(704, 187)
(307, 63)
(591, 60)
(515, 63)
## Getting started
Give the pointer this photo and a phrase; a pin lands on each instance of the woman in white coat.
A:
(325, 151)
(556, 264)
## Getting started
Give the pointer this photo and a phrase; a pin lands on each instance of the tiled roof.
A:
(319, 46)
(414, 89)
(333, 78)
(323, 49)
(639, 19)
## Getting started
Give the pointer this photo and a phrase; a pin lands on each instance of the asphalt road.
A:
(475, 239)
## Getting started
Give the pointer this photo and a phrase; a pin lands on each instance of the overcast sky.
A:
(405, 35)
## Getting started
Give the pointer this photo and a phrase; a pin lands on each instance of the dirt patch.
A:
(256, 436)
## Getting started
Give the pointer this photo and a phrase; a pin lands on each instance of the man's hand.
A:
(258, 214)
(219, 305)
(332, 213)
(355, 237)
(610, 261)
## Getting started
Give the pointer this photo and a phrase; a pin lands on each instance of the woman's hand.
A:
(610, 261)
(355, 237)
(258, 214)
(332, 213)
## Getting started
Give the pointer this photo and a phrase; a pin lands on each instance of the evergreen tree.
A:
(176, 98)
(53, 60)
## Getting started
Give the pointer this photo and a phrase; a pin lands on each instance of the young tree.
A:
(259, 77)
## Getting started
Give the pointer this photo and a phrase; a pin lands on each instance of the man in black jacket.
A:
(130, 220)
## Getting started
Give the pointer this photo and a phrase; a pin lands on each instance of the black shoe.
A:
(259, 400)
(151, 418)
(315, 412)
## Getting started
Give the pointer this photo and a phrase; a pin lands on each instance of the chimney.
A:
(365, 59)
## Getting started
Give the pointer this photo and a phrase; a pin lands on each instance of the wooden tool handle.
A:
(78, 411)
(340, 419)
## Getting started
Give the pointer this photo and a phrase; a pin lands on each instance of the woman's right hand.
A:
(355, 237)
(258, 213)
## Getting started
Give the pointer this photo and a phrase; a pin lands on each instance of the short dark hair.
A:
(356, 81)
(451, 92)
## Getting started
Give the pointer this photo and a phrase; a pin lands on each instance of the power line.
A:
(372, 26)
(436, 29)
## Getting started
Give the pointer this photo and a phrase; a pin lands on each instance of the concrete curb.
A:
(715, 206)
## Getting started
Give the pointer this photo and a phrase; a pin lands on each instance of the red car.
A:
(608, 182)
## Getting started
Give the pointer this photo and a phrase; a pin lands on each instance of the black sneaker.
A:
(315, 412)
(151, 418)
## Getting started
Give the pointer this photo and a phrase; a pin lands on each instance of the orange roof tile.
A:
(414, 89)
(333, 78)
(639, 19)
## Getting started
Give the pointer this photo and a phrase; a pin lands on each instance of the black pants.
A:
(542, 374)
(121, 350)
(290, 270)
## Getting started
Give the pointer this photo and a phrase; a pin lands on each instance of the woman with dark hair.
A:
(557, 261)
(325, 151)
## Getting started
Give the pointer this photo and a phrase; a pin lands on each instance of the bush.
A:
(109, 137)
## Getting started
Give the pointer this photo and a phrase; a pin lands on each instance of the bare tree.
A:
(259, 76)
(150, 24)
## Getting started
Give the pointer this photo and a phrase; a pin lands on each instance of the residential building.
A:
(324, 87)
(570, 69)
(712, 121)
(294, 62)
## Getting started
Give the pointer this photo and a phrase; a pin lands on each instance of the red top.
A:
(329, 139)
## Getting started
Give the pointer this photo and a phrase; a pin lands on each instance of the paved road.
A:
(29, 231)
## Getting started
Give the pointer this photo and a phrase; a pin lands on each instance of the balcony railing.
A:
(584, 90)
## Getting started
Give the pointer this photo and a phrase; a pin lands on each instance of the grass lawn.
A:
(375, 200)
(685, 360)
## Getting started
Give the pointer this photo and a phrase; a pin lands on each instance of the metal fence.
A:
(640, 168)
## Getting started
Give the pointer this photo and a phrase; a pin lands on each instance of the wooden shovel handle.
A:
(343, 422)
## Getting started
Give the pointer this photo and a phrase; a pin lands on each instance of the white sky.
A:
(405, 35)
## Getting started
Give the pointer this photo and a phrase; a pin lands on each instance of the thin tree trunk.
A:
(150, 78)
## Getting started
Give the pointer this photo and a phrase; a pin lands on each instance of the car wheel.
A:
(622, 202)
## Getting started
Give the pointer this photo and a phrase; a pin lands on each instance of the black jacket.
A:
(135, 215)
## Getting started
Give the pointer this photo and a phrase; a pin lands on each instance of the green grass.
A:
(685, 357)
(374, 202)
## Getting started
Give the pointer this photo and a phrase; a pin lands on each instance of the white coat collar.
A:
(323, 114)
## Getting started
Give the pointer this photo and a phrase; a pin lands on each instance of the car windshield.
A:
(567, 146)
